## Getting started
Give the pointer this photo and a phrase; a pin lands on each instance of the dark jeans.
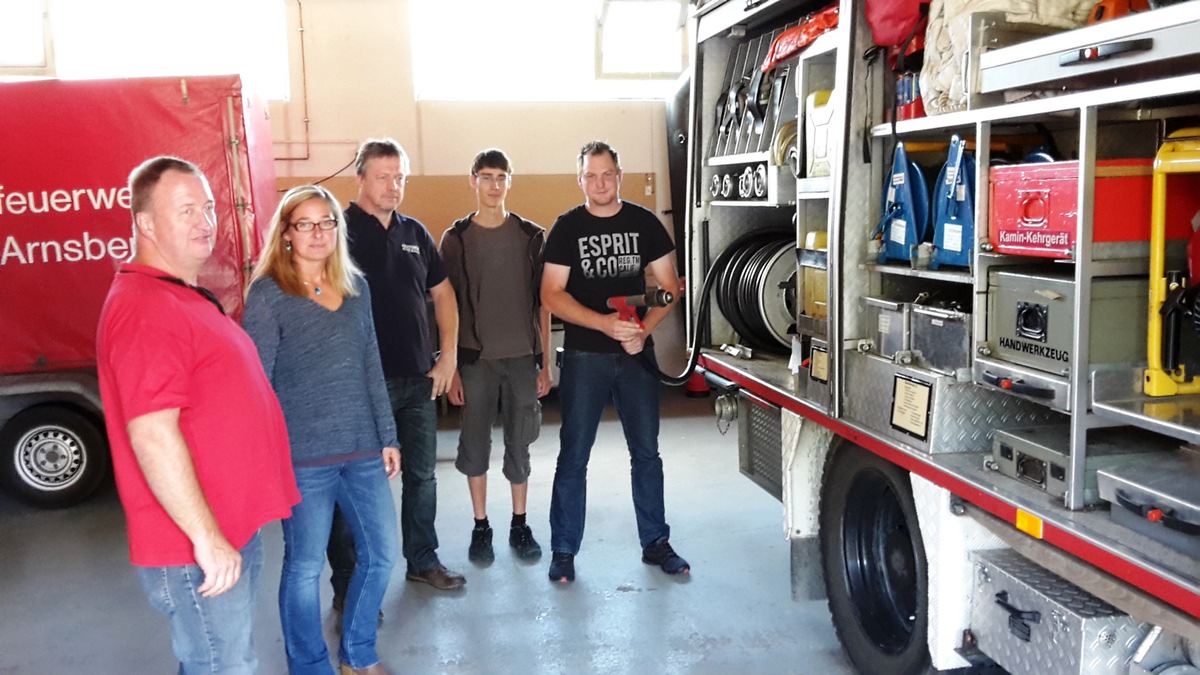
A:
(587, 383)
(416, 426)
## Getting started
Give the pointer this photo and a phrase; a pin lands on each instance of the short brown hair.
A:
(492, 158)
(379, 147)
(147, 175)
(592, 148)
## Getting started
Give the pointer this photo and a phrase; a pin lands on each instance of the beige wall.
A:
(356, 82)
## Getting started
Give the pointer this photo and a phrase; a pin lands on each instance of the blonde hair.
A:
(275, 261)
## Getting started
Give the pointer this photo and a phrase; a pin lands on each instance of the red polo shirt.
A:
(162, 346)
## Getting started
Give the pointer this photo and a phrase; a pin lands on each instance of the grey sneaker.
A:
(481, 546)
(520, 537)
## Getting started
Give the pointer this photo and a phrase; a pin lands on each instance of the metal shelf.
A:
(743, 158)
(1117, 395)
(749, 202)
(1033, 110)
(820, 187)
(900, 269)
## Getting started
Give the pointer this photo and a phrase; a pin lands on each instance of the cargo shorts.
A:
(504, 388)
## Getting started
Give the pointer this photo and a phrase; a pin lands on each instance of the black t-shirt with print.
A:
(607, 257)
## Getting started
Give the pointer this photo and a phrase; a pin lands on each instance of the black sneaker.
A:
(660, 553)
(562, 567)
(481, 546)
(520, 537)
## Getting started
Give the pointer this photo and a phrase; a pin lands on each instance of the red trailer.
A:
(66, 150)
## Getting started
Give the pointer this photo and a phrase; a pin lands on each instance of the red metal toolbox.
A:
(1034, 206)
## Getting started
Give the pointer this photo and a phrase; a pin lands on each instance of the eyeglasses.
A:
(497, 180)
(308, 225)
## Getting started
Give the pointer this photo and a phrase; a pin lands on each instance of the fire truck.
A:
(947, 305)
(66, 150)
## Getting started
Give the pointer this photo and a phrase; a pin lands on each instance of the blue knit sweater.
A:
(324, 366)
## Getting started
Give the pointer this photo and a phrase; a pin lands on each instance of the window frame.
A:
(601, 24)
(46, 68)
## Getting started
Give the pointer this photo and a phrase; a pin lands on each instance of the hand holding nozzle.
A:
(626, 305)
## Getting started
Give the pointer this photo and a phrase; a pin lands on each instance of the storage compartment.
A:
(928, 412)
(1031, 621)
(1040, 456)
(1138, 47)
(887, 322)
(1034, 207)
(942, 337)
(818, 114)
(1157, 496)
(814, 263)
(1031, 319)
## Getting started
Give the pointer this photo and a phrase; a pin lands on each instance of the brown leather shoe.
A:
(376, 669)
(439, 577)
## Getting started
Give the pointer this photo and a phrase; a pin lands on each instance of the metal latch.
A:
(1018, 620)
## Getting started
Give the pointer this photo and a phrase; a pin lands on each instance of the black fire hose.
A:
(702, 312)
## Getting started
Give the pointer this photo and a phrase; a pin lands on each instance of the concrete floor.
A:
(71, 604)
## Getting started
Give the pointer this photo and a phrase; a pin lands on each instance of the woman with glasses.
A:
(308, 311)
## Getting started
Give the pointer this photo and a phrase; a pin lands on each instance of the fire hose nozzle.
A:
(658, 298)
(626, 305)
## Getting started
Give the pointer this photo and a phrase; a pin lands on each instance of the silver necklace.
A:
(316, 289)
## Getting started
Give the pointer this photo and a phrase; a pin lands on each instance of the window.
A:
(145, 38)
(24, 39)
(641, 38)
(543, 50)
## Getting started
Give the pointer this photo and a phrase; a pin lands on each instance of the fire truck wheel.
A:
(53, 457)
(874, 563)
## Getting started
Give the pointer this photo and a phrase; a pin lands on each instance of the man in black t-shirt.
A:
(595, 251)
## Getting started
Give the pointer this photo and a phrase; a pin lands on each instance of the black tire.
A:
(874, 563)
(53, 457)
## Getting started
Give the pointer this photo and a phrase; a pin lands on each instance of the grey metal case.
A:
(1158, 496)
(1031, 621)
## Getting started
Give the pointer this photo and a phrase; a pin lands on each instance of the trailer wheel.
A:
(53, 456)
(874, 563)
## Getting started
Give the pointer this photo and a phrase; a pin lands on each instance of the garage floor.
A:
(71, 603)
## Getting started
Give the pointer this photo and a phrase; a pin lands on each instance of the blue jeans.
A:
(360, 489)
(587, 382)
(208, 635)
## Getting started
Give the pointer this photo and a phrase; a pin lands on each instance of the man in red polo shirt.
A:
(199, 444)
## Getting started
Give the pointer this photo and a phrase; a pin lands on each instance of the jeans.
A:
(416, 426)
(208, 635)
(587, 382)
(360, 489)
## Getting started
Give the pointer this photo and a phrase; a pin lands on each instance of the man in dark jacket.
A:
(493, 259)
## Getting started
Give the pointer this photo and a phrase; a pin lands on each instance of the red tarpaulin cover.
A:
(66, 150)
